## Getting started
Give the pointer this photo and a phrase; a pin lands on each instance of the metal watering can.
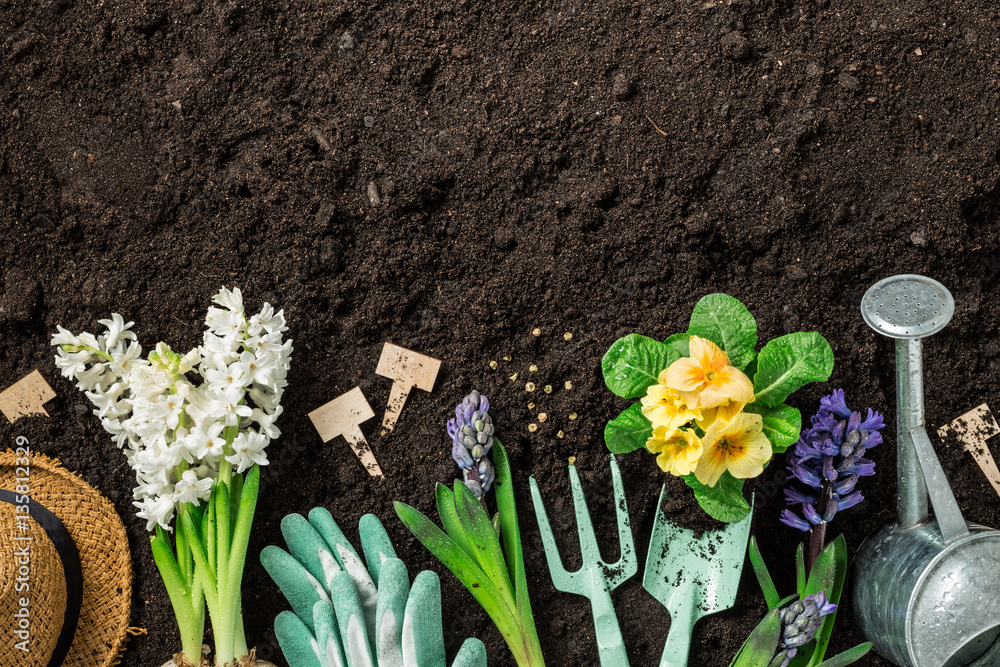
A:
(925, 591)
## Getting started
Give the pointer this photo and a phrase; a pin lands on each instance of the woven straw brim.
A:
(95, 527)
(30, 571)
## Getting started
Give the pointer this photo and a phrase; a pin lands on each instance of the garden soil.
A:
(452, 176)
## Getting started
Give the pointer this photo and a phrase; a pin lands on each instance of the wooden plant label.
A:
(26, 397)
(407, 369)
(973, 429)
(343, 416)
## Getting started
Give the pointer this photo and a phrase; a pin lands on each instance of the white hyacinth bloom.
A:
(173, 432)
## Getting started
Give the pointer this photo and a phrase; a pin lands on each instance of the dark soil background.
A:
(450, 176)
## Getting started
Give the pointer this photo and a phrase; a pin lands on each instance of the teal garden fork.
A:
(596, 579)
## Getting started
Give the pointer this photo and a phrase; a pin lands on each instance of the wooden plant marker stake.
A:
(973, 429)
(407, 369)
(26, 397)
(343, 416)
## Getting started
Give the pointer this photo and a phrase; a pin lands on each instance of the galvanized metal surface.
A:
(924, 592)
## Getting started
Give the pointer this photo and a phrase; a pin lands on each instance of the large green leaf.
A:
(511, 534)
(448, 513)
(837, 551)
(628, 431)
(679, 342)
(725, 321)
(633, 363)
(759, 648)
(789, 362)
(462, 566)
(482, 537)
(763, 576)
(724, 501)
(848, 657)
(782, 424)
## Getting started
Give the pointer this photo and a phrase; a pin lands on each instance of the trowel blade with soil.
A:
(692, 577)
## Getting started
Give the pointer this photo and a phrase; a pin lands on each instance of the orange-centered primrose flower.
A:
(663, 406)
(705, 379)
(679, 449)
(738, 446)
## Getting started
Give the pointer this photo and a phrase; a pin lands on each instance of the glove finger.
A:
(296, 642)
(366, 590)
(324, 524)
(375, 543)
(351, 620)
(423, 635)
(394, 589)
(300, 588)
(305, 543)
(348, 558)
(328, 635)
(472, 654)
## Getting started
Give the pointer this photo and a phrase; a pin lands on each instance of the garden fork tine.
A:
(595, 579)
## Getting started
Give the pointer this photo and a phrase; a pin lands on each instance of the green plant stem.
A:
(186, 595)
(222, 581)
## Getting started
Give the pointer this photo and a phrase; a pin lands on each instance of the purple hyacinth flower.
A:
(471, 433)
(795, 497)
(829, 459)
(789, 518)
(836, 404)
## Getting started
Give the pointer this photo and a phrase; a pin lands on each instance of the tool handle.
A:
(678, 646)
(610, 647)
(946, 510)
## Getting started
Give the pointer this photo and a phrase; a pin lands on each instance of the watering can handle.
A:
(678, 646)
(946, 511)
(610, 646)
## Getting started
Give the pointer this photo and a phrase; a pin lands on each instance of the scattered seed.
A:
(560, 435)
(572, 416)
(568, 384)
(506, 358)
(514, 376)
(567, 336)
(529, 386)
(531, 406)
(542, 417)
(536, 332)
(494, 365)
(532, 368)
(572, 460)
(548, 389)
(532, 427)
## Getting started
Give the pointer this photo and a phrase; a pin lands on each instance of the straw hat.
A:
(77, 565)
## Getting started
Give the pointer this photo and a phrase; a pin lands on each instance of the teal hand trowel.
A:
(692, 577)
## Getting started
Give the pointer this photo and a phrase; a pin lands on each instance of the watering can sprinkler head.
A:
(924, 590)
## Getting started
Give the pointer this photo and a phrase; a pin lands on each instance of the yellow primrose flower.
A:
(663, 406)
(705, 379)
(738, 446)
(679, 449)
(724, 412)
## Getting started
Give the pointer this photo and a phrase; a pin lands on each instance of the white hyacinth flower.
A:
(177, 434)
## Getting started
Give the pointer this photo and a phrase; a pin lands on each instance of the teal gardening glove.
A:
(346, 615)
